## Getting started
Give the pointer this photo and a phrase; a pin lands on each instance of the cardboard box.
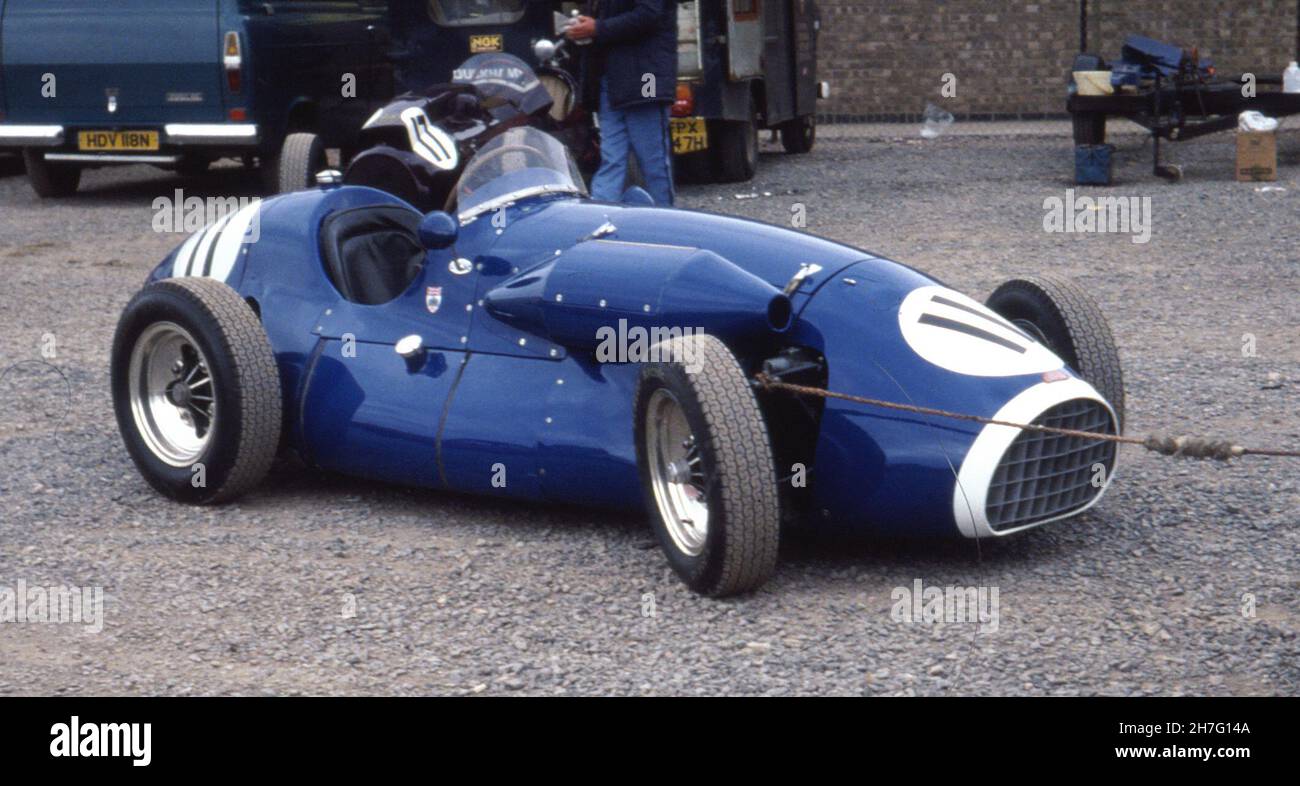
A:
(1256, 156)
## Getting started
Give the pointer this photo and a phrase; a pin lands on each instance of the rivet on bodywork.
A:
(559, 382)
(555, 353)
(523, 342)
(469, 306)
(559, 297)
(548, 420)
(646, 308)
(464, 339)
(602, 302)
(853, 282)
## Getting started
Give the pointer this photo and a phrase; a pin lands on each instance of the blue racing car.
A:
(531, 342)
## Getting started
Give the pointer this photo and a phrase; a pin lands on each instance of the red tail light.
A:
(233, 60)
(684, 106)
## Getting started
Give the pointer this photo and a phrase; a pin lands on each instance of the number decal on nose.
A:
(955, 332)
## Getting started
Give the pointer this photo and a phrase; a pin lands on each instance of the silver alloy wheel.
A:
(677, 473)
(173, 400)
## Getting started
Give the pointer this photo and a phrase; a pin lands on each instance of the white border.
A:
(970, 494)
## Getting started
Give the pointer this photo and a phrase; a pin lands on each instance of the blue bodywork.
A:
(510, 378)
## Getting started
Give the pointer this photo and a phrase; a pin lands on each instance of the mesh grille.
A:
(1042, 476)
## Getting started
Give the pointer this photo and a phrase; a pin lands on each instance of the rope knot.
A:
(1193, 447)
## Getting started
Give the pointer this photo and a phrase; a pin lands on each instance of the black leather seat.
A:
(372, 253)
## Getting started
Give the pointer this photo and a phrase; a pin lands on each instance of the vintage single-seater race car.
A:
(536, 344)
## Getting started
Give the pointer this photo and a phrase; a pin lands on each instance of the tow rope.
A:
(1165, 445)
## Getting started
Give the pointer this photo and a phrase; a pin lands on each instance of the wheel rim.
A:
(1033, 331)
(677, 473)
(172, 394)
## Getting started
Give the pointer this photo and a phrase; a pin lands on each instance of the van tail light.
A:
(684, 105)
(233, 61)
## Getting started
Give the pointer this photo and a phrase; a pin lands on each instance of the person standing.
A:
(634, 59)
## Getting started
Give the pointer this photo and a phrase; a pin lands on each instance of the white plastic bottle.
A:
(1291, 78)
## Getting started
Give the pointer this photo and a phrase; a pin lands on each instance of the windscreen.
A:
(520, 163)
(462, 13)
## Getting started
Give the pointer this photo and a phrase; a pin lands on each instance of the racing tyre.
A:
(302, 156)
(799, 135)
(50, 179)
(1062, 315)
(737, 152)
(706, 467)
(196, 390)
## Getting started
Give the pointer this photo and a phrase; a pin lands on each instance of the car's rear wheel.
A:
(799, 135)
(1062, 315)
(301, 157)
(50, 179)
(736, 149)
(706, 467)
(196, 390)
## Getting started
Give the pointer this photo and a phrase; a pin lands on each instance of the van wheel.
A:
(737, 149)
(302, 156)
(706, 467)
(1063, 316)
(799, 135)
(192, 166)
(196, 390)
(50, 179)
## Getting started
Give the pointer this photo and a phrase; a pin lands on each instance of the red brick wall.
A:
(886, 58)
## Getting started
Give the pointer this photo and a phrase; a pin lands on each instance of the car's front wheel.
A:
(301, 157)
(196, 390)
(1063, 316)
(50, 179)
(706, 467)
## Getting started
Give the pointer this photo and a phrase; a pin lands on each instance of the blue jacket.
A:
(635, 38)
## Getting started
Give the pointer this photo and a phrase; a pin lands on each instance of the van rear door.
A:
(90, 61)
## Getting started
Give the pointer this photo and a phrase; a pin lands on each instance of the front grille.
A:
(1043, 475)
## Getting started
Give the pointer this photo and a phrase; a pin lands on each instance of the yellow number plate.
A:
(485, 43)
(689, 134)
(130, 141)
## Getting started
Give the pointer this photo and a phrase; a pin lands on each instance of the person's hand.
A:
(583, 27)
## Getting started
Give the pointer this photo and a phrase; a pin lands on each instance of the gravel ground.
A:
(1142, 595)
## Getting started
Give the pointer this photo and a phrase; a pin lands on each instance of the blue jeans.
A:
(643, 128)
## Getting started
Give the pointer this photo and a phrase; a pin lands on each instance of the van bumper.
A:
(224, 134)
(30, 136)
(219, 134)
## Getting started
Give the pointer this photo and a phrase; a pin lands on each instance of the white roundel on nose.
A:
(959, 334)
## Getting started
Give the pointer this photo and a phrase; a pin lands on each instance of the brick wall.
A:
(886, 58)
